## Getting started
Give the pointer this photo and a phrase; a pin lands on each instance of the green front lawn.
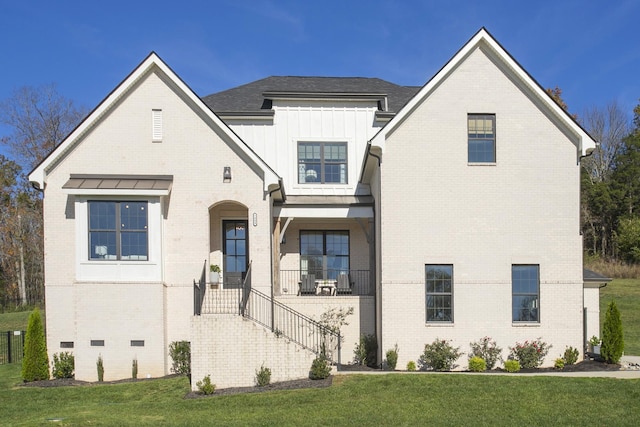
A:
(626, 293)
(15, 321)
(392, 399)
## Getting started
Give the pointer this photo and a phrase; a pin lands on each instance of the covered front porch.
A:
(324, 246)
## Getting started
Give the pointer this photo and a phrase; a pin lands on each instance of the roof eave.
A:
(38, 175)
(584, 141)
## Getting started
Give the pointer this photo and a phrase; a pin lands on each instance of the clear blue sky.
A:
(591, 49)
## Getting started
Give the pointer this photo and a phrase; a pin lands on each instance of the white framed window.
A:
(118, 230)
(322, 162)
(127, 251)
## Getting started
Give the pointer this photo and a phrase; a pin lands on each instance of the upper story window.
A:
(481, 130)
(439, 284)
(118, 230)
(322, 162)
(525, 283)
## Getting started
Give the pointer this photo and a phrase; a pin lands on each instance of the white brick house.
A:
(444, 211)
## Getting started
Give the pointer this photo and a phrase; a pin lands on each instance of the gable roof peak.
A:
(38, 175)
(483, 37)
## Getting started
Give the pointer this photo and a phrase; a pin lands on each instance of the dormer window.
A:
(322, 162)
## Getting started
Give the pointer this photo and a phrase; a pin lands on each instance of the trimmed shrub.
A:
(35, 363)
(411, 366)
(100, 367)
(559, 363)
(180, 352)
(477, 364)
(205, 387)
(612, 337)
(365, 352)
(487, 350)
(392, 358)
(440, 355)
(263, 376)
(320, 368)
(511, 365)
(570, 355)
(530, 354)
(63, 365)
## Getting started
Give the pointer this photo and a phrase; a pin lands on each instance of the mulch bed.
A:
(283, 385)
(588, 365)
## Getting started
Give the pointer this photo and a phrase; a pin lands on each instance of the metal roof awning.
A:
(150, 185)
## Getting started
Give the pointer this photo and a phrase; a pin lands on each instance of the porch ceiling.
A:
(325, 207)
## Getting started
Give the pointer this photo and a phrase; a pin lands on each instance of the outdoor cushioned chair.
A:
(344, 284)
(307, 284)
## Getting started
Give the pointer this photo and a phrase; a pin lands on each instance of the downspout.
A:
(366, 154)
(584, 309)
(376, 297)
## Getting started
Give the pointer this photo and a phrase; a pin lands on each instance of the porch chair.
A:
(307, 285)
(344, 284)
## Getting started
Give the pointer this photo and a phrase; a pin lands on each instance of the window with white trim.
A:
(322, 162)
(118, 230)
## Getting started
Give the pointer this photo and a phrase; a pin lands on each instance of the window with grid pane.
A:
(322, 162)
(439, 292)
(481, 129)
(118, 230)
(525, 284)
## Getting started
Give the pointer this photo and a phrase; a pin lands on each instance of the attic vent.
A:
(156, 124)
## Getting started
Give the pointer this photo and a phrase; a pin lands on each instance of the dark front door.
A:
(236, 250)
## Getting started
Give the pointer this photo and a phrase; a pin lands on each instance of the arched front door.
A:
(235, 251)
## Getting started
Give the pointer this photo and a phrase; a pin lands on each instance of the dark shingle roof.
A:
(592, 276)
(250, 97)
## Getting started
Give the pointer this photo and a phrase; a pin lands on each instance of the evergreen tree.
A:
(35, 364)
(612, 338)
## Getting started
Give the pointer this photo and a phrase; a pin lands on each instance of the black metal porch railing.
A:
(283, 321)
(348, 283)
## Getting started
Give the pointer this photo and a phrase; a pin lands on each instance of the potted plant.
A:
(594, 343)
(214, 274)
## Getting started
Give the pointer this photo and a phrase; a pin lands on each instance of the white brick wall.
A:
(435, 208)
(231, 350)
(592, 305)
(157, 311)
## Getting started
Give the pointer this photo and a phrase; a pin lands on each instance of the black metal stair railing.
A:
(282, 320)
(290, 324)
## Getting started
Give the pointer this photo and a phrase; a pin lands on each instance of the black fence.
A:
(11, 346)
